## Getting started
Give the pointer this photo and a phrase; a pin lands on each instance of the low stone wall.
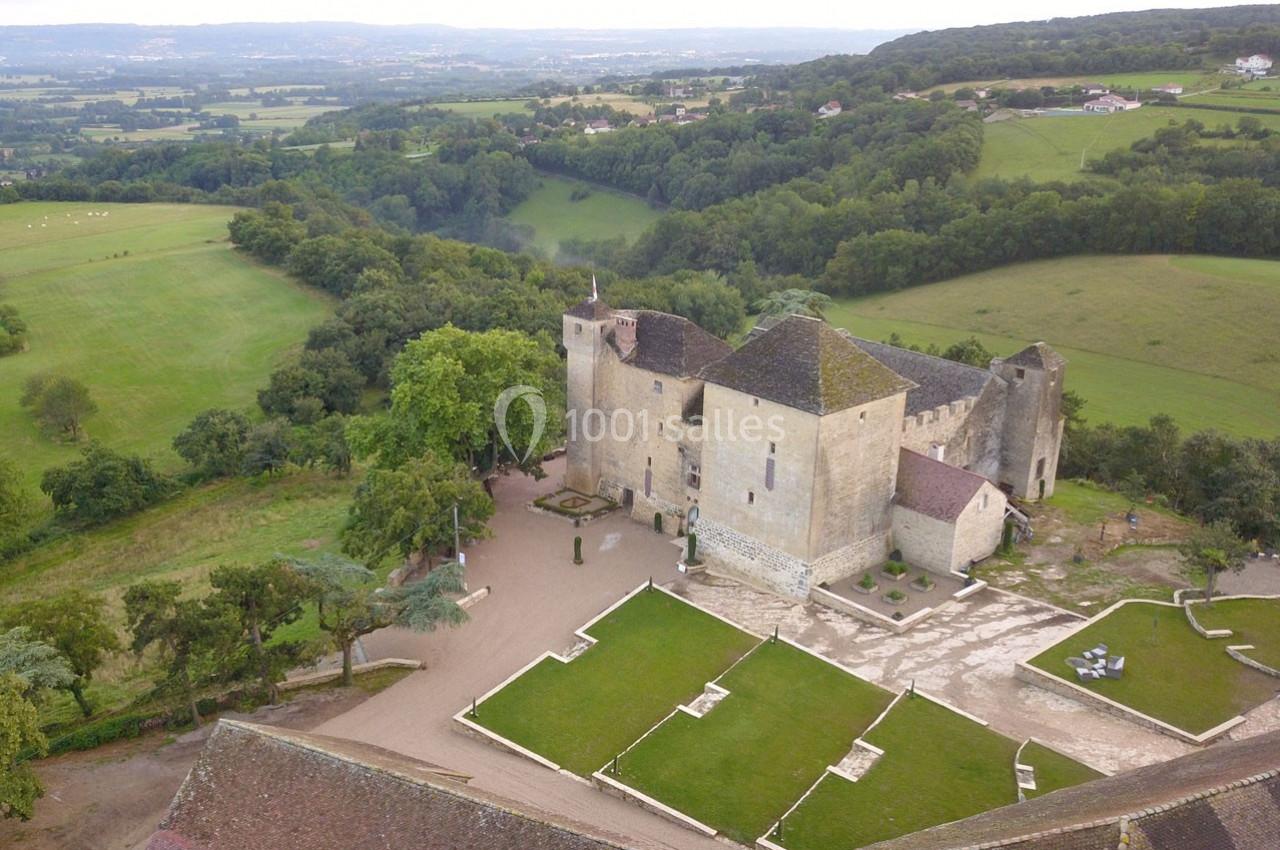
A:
(321, 676)
(1237, 652)
(1035, 676)
(860, 612)
(1195, 624)
(740, 555)
(623, 791)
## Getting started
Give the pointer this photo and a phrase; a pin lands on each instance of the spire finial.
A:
(595, 292)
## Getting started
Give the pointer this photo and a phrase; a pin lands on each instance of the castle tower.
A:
(585, 334)
(1032, 435)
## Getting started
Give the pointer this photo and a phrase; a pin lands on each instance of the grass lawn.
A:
(482, 108)
(181, 324)
(787, 717)
(1086, 503)
(1171, 673)
(1142, 334)
(1191, 80)
(654, 652)
(1054, 147)
(938, 767)
(603, 214)
(1054, 771)
(1253, 621)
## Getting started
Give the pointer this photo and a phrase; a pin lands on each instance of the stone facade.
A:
(791, 479)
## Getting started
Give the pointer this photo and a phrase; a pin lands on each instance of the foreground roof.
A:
(1226, 797)
(938, 381)
(1038, 356)
(673, 345)
(256, 787)
(806, 364)
(934, 488)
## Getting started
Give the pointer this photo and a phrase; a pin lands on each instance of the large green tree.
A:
(19, 736)
(60, 404)
(409, 511)
(263, 597)
(1211, 550)
(75, 624)
(197, 642)
(35, 663)
(445, 385)
(351, 604)
(103, 485)
(16, 509)
(214, 442)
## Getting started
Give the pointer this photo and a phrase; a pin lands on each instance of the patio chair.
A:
(1115, 667)
(1101, 650)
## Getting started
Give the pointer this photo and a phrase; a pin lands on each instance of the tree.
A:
(197, 641)
(267, 448)
(16, 510)
(103, 485)
(20, 737)
(325, 444)
(803, 302)
(970, 351)
(75, 624)
(1212, 549)
(351, 605)
(409, 510)
(36, 664)
(58, 403)
(264, 597)
(214, 442)
(444, 388)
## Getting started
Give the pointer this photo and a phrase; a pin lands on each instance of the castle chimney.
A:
(624, 334)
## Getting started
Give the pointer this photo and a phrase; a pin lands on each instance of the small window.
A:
(695, 476)
(648, 461)
(659, 429)
(1020, 373)
(751, 497)
(1040, 468)
(862, 416)
(657, 387)
(985, 499)
(755, 402)
(577, 327)
(773, 448)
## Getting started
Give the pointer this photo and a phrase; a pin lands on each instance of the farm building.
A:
(856, 448)
(1109, 103)
(1257, 65)
(1168, 88)
(1094, 89)
(828, 109)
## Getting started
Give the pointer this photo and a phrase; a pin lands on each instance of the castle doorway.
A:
(628, 497)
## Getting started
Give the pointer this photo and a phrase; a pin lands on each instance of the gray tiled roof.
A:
(260, 787)
(1224, 797)
(589, 309)
(806, 364)
(938, 381)
(1037, 356)
(673, 345)
(934, 488)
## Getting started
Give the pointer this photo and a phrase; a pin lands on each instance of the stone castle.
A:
(806, 455)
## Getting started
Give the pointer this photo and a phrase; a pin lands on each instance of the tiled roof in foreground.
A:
(262, 788)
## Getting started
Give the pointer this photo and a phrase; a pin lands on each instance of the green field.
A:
(181, 324)
(603, 214)
(1252, 621)
(787, 717)
(1192, 81)
(1171, 672)
(1054, 771)
(938, 766)
(1252, 96)
(654, 652)
(482, 108)
(1055, 147)
(1142, 334)
(269, 117)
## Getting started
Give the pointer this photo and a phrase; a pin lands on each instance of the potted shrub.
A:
(866, 584)
(577, 550)
(895, 597)
(923, 582)
(894, 570)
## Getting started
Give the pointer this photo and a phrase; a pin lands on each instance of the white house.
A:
(1109, 103)
(1092, 89)
(1168, 88)
(600, 125)
(1257, 65)
(830, 108)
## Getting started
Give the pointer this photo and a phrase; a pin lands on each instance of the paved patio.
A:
(916, 599)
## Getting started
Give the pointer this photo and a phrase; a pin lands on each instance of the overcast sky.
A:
(923, 14)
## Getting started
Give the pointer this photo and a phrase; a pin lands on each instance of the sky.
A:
(923, 14)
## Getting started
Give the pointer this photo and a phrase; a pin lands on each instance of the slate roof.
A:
(934, 488)
(1037, 356)
(806, 364)
(673, 345)
(1224, 797)
(938, 381)
(592, 310)
(256, 787)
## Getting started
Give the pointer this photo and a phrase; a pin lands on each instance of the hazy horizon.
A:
(578, 14)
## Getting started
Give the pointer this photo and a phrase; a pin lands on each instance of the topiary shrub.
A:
(895, 568)
(692, 558)
(577, 550)
(657, 522)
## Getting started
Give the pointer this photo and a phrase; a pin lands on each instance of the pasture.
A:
(1192, 80)
(1142, 335)
(603, 214)
(151, 309)
(1056, 147)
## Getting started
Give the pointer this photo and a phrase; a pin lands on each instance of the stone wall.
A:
(748, 558)
(970, 430)
(924, 541)
(979, 528)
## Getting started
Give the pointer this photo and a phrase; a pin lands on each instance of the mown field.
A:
(1187, 336)
(151, 309)
(1055, 147)
(1191, 80)
(605, 213)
